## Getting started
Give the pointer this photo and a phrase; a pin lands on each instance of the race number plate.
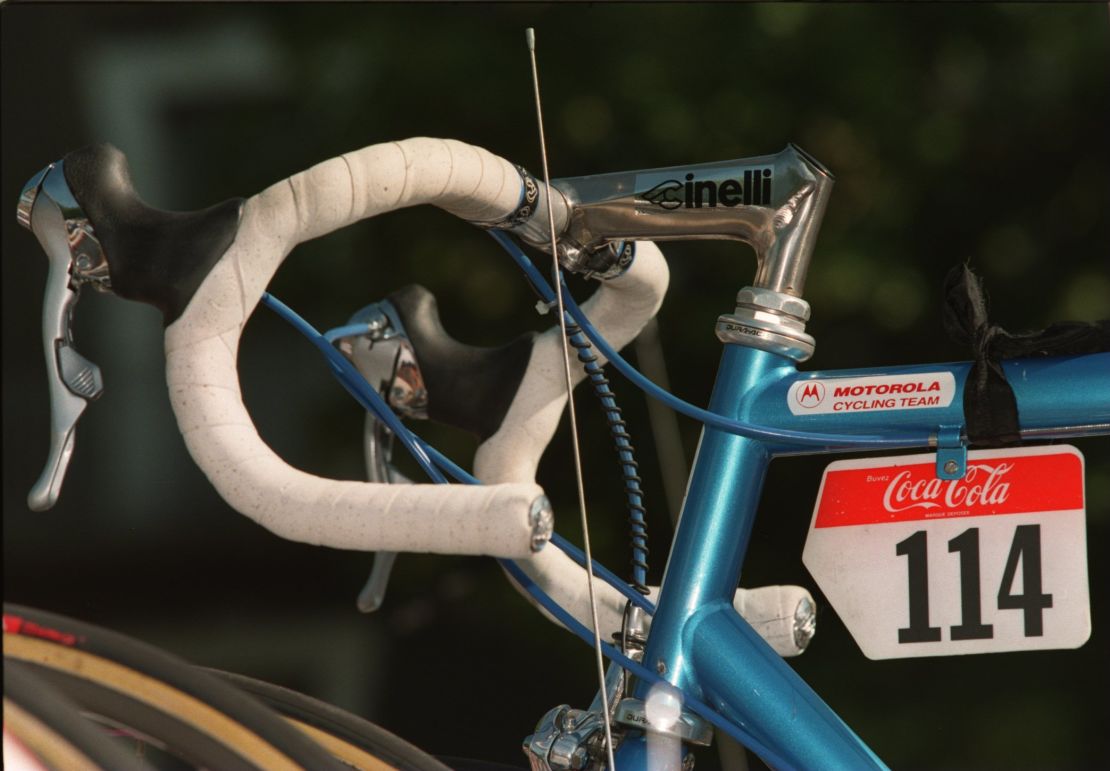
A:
(919, 566)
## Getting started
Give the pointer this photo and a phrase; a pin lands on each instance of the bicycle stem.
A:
(775, 203)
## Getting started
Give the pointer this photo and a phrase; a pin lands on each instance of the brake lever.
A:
(377, 449)
(377, 345)
(48, 209)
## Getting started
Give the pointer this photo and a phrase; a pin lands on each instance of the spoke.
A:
(598, 654)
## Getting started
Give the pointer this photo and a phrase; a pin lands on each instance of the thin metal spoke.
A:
(530, 36)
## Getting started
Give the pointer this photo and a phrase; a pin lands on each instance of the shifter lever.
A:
(47, 208)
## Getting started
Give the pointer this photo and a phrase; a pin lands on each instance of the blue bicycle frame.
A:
(698, 640)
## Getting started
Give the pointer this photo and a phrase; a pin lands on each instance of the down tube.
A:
(697, 641)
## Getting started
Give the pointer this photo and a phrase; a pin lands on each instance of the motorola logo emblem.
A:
(810, 394)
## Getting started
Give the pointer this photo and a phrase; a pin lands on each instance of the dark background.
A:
(956, 133)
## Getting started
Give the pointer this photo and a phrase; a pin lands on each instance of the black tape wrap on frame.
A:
(990, 409)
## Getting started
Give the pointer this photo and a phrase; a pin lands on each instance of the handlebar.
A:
(506, 520)
(207, 271)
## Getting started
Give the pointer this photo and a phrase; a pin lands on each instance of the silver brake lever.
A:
(377, 449)
(384, 356)
(47, 208)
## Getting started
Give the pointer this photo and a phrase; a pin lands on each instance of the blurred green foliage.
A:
(974, 133)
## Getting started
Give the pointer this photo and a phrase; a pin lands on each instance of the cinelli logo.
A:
(980, 486)
(754, 189)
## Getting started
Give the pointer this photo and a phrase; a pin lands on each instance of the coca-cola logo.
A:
(906, 488)
(981, 486)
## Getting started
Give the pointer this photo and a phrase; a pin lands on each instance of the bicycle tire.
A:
(352, 739)
(155, 696)
(48, 727)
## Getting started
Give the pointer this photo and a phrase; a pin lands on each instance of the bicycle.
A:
(94, 228)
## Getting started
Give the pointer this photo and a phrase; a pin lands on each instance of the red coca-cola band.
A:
(1017, 484)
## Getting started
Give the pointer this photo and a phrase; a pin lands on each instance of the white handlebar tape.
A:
(202, 345)
(619, 309)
